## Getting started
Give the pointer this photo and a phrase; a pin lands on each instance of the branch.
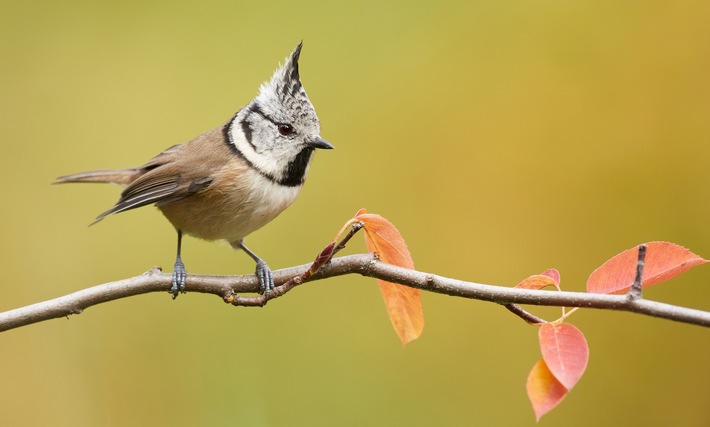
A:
(368, 265)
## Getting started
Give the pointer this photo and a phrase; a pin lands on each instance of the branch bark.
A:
(226, 287)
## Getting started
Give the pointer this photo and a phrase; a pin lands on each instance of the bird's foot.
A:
(179, 278)
(266, 278)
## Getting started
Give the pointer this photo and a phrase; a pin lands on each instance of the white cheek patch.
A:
(272, 162)
(245, 146)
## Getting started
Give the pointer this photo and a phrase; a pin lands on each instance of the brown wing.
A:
(161, 182)
(176, 173)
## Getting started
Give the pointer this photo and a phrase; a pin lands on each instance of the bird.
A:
(231, 180)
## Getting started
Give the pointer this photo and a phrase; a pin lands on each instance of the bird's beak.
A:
(321, 143)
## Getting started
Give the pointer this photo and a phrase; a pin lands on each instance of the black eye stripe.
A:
(254, 108)
(285, 129)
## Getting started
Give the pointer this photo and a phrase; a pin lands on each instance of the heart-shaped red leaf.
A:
(554, 275)
(565, 352)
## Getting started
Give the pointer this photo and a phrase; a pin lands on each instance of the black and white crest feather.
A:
(257, 133)
(285, 88)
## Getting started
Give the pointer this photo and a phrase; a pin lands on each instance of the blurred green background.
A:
(501, 137)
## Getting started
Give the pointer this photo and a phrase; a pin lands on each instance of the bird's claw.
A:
(179, 278)
(266, 278)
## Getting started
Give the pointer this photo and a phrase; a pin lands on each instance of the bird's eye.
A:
(285, 129)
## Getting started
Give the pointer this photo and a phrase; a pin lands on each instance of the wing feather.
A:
(148, 195)
(161, 183)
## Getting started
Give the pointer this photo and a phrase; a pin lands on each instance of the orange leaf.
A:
(386, 240)
(544, 390)
(404, 304)
(664, 261)
(565, 352)
(536, 282)
(549, 277)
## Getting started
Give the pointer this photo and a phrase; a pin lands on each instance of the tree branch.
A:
(226, 287)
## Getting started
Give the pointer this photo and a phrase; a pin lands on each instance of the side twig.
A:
(524, 314)
(637, 287)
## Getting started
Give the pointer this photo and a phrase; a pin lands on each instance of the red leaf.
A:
(554, 275)
(404, 304)
(664, 261)
(544, 390)
(565, 352)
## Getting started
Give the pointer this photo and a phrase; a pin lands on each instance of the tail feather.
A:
(120, 177)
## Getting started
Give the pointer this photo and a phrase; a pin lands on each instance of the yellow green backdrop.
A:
(501, 137)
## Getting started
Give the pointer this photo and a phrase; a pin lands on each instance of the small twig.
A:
(637, 287)
(323, 258)
(353, 230)
(523, 314)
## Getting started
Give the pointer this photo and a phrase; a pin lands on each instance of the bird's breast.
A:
(237, 203)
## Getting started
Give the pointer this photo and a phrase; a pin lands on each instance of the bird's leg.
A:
(179, 272)
(263, 272)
